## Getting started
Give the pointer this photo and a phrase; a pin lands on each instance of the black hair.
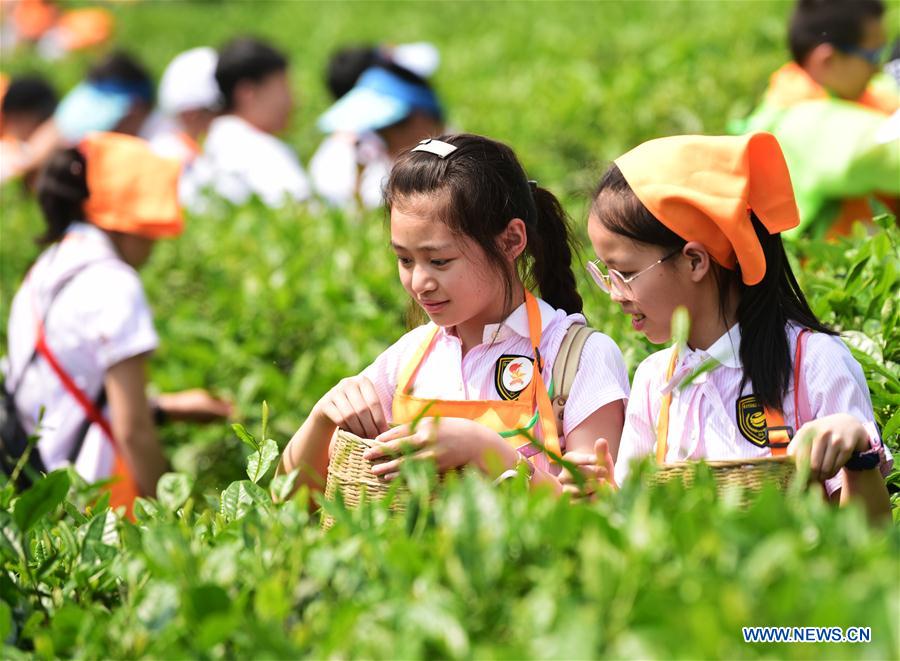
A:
(120, 67)
(246, 59)
(484, 187)
(29, 94)
(347, 65)
(763, 310)
(837, 22)
(61, 192)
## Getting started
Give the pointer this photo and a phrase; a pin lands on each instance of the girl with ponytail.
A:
(695, 222)
(80, 328)
(476, 243)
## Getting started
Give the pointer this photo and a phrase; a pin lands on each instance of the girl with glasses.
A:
(695, 222)
(473, 239)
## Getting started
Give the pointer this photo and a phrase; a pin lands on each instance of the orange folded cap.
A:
(130, 188)
(703, 188)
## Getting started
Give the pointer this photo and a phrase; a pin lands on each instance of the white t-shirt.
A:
(346, 165)
(98, 319)
(239, 160)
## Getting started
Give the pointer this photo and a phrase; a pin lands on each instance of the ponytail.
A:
(763, 311)
(550, 244)
(61, 192)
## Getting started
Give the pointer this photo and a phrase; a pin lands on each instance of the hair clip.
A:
(533, 184)
(437, 147)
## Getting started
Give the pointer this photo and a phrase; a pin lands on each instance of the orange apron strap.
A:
(777, 432)
(542, 398)
(409, 372)
(662, 425)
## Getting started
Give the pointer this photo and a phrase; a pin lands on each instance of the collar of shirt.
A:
(516, 324)
(725, 352)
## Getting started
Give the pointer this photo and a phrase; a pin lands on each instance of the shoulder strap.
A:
(13, 388)
(565, 367)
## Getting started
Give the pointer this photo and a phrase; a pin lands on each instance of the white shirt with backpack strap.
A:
(98, 319)
(596, 373)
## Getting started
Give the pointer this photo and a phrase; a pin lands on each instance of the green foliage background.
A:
(257, 305)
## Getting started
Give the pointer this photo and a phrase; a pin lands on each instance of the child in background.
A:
(189, 97)
(827, 109)
(472, 237)
(696, 221)
(27, 103)
(80, 329)
(241, 155)
(116, 95)
(350, 167)
(387, 112)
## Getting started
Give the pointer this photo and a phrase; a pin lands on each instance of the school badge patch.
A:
(512, 375)
(751, 419)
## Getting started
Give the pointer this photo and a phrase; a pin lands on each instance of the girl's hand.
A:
(827, 443)
(595, 468)
(353, 405)
(450, 442)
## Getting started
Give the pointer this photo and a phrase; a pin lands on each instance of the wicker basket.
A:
(351, 474)
(748, 475)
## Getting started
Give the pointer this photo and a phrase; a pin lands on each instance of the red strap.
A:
(797, 359)
(89, 409)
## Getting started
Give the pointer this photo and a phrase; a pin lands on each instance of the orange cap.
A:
(130, 188)
(702, 188)
(83, 28)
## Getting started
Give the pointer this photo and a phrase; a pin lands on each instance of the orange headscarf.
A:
(703, 188)
(130, 188)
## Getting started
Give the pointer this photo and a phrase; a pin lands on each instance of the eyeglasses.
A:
(874, 56)
(614, 280)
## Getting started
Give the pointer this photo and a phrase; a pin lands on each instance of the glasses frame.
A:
(605, 280)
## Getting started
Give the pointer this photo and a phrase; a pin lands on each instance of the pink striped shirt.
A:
(601, 377)
(703, 418)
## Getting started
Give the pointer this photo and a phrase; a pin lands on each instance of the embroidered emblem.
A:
(751, 419)
(512, 375)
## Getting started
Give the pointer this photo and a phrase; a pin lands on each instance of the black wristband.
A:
(159, 415)
(863, 461)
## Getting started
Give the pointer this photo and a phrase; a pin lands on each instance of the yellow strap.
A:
(408, 375)
(662, 425)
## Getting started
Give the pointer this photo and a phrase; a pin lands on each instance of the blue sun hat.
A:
(379, 98)
(97, 106)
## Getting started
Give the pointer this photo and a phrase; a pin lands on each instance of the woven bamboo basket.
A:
(351, 474)
(748, 475)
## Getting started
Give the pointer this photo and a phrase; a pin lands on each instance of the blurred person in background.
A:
(189, 99)
(27, 102)
(80, 327)
(828, 108)
(116, 95)
(53, 31)
(241, 155)
(384, 105)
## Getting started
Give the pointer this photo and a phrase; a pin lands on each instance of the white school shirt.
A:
(346, 165)
(445, 374)
(703, 417)
(239, 160)
(99, 319)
